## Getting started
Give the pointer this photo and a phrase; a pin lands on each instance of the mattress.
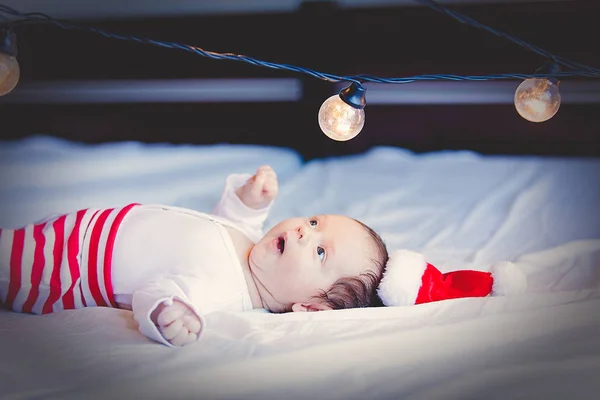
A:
(461, 209)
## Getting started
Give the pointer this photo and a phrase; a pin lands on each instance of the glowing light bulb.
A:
(9, 66)
(342, 116)
(340, 121)
(537, 100)
(9, 73)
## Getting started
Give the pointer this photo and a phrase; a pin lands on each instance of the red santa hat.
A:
(409, 279)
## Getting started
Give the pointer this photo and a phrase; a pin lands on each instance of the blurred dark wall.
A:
(387, 42)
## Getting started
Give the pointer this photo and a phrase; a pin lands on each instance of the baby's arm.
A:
(259, 190)
(247, 199)
(165, 313)
(177, 323)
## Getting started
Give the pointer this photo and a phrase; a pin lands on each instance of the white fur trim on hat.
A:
(508, 279)
(402, 278)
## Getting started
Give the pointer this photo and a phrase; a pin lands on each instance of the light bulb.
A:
(9, 66)
(537, 99)
(9, 73)
(340, 121)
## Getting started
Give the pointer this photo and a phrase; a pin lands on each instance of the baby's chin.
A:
(258, 258)
(252, 260)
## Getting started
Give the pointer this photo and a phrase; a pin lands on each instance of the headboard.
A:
(85, 87)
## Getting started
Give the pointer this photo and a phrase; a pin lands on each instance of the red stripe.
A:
(73, 258)
(110, 244)
(16, 256)
(37, 268)
(55, 289)
(93, 258)
(82, 296)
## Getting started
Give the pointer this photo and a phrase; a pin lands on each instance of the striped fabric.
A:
(59, 264)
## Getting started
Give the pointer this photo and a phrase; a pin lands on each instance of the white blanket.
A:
(461, 209)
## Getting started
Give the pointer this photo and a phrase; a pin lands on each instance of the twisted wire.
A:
(476, 24)
(577, 68)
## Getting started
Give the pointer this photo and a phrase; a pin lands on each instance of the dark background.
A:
(384, 41)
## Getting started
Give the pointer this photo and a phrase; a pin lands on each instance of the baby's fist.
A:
(260, 189)
(178, 324)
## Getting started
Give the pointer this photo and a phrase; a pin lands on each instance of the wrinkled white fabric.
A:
(459, 208)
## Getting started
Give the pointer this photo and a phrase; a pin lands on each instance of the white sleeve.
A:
(148, 297)
(231, 207)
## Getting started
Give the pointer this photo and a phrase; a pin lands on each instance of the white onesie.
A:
(138, 255)
(163, 253)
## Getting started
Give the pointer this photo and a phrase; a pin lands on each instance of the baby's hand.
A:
(178, 324)
(260, 189)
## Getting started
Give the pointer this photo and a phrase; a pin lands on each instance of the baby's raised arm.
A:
(260, 189)
(247, 199)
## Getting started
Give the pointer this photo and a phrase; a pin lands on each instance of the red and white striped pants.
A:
(61, 263)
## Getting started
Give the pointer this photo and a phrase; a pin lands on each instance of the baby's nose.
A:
(301, 232)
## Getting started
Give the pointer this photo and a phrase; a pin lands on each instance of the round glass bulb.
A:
(340, 121)
(9, 73)
(537, 100)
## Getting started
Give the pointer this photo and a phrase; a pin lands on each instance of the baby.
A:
(171, 266)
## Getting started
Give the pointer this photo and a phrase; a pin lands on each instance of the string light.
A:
(538, 99)
(341, 117)
(9, 66)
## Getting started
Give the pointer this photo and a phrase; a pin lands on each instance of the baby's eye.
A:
(313, 222)
(321, 253)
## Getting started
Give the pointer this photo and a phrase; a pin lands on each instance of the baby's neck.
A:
(243, 246)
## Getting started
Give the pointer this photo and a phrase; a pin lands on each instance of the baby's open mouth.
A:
(280, 244)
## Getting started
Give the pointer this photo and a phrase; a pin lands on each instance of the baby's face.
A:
(300, 256)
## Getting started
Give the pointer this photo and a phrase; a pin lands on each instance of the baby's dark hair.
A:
(359, 291)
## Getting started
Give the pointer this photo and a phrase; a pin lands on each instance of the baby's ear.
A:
(309, 307)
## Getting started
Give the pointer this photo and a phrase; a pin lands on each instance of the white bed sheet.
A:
(459, 208)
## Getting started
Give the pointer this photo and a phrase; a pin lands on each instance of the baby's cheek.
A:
(303, 281)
